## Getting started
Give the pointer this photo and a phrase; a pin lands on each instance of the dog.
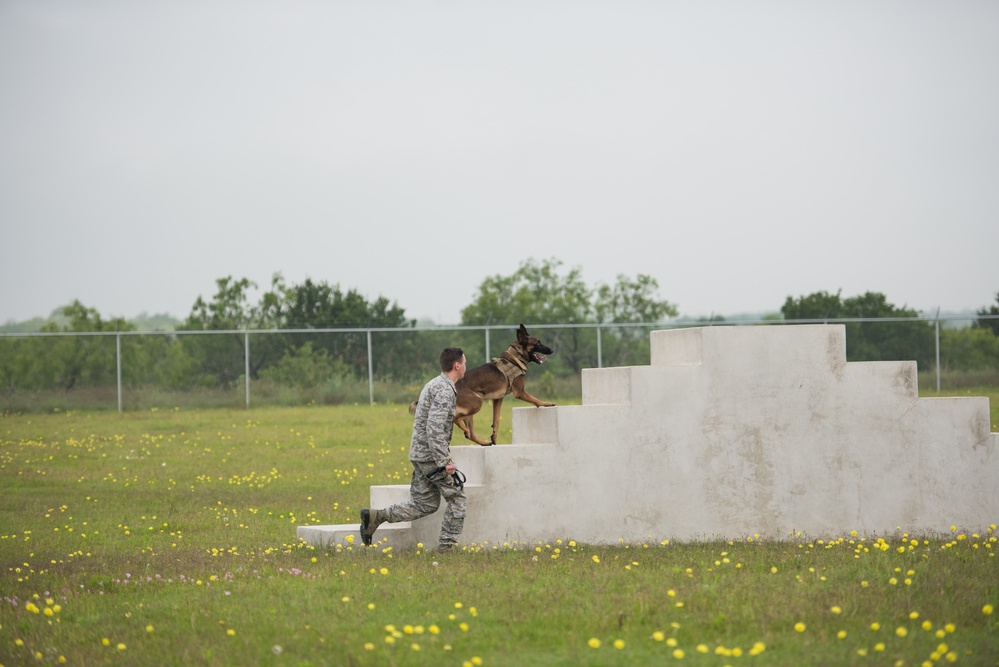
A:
(494, 380)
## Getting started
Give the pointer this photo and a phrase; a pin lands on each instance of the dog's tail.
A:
(412, 408)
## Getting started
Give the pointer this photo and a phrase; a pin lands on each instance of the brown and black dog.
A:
(493, 381)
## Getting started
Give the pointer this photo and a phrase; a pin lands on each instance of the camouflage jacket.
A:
(433, 424)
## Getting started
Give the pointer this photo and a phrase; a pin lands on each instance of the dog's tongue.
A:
(540, 358)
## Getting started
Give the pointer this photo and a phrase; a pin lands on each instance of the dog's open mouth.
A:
(538, 358)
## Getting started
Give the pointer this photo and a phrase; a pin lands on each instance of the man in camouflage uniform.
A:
(430, 454)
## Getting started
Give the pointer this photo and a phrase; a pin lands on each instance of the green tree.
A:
(89, 360)
(534, 293)
(971, 350)
(869, 340)
(538, 292)
(990, 324)
(222, 357)
(632, 301)
(627, 302)
(815, 306)
(80, 318)
(312, 305)
(319, 305)
(82, 361)
(304, 367)
(888, 340)
(231, 310)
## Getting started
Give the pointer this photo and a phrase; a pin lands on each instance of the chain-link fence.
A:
(141, 370)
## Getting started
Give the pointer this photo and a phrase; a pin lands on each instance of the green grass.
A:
(172, 533)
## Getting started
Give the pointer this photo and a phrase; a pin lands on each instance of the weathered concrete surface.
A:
(733, 431)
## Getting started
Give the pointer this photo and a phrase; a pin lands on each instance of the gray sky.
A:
(738, 152)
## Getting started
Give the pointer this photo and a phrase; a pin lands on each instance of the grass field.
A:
(167, 537)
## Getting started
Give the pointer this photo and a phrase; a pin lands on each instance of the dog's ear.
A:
(522, 331)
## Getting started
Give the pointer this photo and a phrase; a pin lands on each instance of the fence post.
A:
(487, 345)
(117, 345)
(246, 364)
(937, 323)
(371, 373)
(600, 356)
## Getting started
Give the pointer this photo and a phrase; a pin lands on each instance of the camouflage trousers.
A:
(425, 493)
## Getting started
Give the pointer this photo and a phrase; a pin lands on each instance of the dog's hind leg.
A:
(497, 404)
(469, 403)
(461, 422)
(465, 423)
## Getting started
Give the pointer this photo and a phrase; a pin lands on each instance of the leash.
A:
(458, 476)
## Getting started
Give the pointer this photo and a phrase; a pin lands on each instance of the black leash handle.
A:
(458, 476)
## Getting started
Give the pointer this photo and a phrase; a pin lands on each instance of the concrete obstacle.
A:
(729, 432)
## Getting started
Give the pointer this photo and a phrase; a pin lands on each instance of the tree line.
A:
(537, 292)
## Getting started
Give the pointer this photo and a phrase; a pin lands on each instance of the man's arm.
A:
(439, 427)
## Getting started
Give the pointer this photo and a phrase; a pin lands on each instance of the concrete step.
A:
(389, 494)
(398, 536)
(535, 426)
(607, 386)
(472, 460)
(403, 535)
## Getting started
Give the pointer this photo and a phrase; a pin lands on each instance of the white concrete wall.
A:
(730, 431)
(739, 430)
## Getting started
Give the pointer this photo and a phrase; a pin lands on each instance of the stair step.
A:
(382, 496)
(470, 459)
(398, 536)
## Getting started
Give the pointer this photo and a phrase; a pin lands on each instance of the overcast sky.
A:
(738, 152)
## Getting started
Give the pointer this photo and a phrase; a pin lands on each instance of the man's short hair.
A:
(449, 357)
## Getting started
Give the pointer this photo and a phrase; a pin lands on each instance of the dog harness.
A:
(511, 365)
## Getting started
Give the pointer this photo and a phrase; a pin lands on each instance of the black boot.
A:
(370, 520)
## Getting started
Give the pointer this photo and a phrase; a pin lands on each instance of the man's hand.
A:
(450, 468)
